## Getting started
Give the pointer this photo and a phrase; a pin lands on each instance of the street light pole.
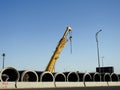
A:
(3, 60)
(98, 49)
(102, 61)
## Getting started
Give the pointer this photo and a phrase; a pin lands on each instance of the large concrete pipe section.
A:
(118, 76)
(80, 74)
(107, 77)
(114, 77)
(96, 77)
(47, 77)
(29, 76)
(9, 74)
(87, 77)
(60, 77)
(73, 77)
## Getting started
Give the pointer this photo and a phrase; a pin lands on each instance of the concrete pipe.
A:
(87, 77)
(9, 74)
(47, 77)
(80, 74)
(114, 77)
(29, 76)
(66, 73)
(92, 74)
(96, 77)
(72, 77)
(107, 77)
(60, 77)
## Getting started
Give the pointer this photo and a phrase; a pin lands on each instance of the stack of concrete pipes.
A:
(13, 75)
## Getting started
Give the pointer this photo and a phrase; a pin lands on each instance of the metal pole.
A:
(102, 61)
(98, 49)
(3, 60)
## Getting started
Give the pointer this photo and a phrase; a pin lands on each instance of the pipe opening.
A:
(29, 76)
(114, 77)
(47, 77)
(81, 76)
(72, 77)
(9, 74)
(97, 77)
(107, 77)
(87, 77)
(60, 77)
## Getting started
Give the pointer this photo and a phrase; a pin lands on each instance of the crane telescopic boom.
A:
(60, 46)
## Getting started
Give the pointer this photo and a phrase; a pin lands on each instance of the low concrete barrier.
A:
(7, 85)
(114, 83)
(69, 84)
(11, 85)
(95, 84)
(35, 85)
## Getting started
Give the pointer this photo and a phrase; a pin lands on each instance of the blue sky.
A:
(31, 29)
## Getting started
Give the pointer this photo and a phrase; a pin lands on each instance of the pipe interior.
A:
(81, 76)
(114, 77)
(10, 75)
(87, 77)
(107, 77)
(47, 77)
(30, 76)
(73, 77)
(96, 77)
(60, 78)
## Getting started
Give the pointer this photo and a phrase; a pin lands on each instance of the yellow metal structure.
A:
(60, 46)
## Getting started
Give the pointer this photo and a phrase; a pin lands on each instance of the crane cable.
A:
(70, 38)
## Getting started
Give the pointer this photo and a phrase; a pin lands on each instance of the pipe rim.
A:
(61, 74)
(114, 74)
(9, 68)
(74, 73)
(43, 73)
(85, 76)
(96, 73)
(105, 75)
(26, 71)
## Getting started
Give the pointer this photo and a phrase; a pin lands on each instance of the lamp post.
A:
(98, 49)
(3, 60)
(102, 61)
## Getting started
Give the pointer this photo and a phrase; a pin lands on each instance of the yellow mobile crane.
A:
(60, 46)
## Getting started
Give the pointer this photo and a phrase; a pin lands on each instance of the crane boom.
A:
(60, 46)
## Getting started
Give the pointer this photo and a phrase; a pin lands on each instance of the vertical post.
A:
(98, 49)
(3, 60)
(102, 61)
